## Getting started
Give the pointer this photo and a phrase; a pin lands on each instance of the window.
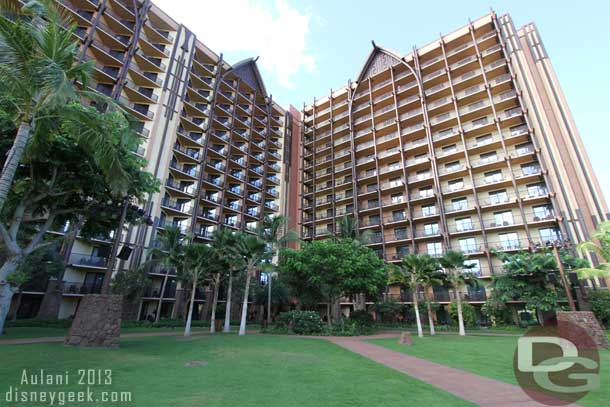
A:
(463, 224)
(534, 190)
(484, 140)
(400, 233)
(445, 132)
(398, 216)
(424, 174)
(435, 249)
(373, 203)
(428, 210)
(430, 229)
(452, 148)
(425, 192)
(394, 166)
(459, 204)
(504, 218)
(480, 122)
(468, 245)
(498, 197)
(489, 157)
(370, 172)
(456, 184)
(509, 241)
(395, 182)
(549, 234)
(371, 188)
(402, 251)
(542, 212)
(374, 220)
(476, 105)
(473, 266)
(530, 169)
(453, 166)
(522, 149)
(420, 158)
(493, 176)
(396, 198)
(231, 220)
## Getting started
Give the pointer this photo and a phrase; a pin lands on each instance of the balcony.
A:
(78, 288)
(87, 260)
(176, 205)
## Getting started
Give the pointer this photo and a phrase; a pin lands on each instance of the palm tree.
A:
(270, 231)
(422, 270)
(599, 244)
(454, 263)
(348, 228)
(406, 274)
(39, 69)
(254, 251)
(223, 241)
(194, 266)
(167, 252)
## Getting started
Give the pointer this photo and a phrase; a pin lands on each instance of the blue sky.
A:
(308, 47)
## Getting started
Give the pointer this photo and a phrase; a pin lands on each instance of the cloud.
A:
(274, 31)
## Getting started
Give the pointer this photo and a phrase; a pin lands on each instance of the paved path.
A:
(480, 390)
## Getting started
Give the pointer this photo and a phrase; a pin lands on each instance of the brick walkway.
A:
(480, 390)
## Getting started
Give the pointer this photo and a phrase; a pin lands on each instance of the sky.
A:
(307, 48)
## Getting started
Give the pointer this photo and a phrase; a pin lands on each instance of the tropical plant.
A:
(39, 70)
(254, 252)
(270, 230)
(348, 228)
(167, 253)
(420, 270)
(455, 265)
(327, 269)
(227, 255)
(600, 245)
(192, 269)
(600, 305)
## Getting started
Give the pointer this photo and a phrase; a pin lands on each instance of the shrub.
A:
(300, 322)
(497, 313)
(343, 327)
(39, 323)
(468, 312)
(363, 320)
(600, 305)
(389, 311)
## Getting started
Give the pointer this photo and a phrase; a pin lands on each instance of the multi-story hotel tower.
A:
(210, 133)
(466, 143)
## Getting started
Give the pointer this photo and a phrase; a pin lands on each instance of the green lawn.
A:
(254, 370)
(487, 356)
(41, 332)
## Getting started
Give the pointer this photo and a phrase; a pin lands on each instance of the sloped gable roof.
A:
(248, 71)
(379, 59)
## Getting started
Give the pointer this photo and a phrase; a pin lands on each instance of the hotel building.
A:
(466, 143)
(210, 131)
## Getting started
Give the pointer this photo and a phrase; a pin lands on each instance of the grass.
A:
(42, 332)
(487, 356)
(241, 371)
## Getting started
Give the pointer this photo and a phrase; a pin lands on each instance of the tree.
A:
(530, 277)
(454, 263)
(418, 270)
(600, 245)
(39, 70)
(167, 252)
(270, 231)
(228, 261)
(330, 268)
(349, 229)
(192, 269)
(58, 182)
(254, 252)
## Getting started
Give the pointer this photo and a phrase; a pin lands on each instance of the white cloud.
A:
(274, 31)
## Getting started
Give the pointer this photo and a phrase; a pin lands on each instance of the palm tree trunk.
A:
(328, 305)
(189, 318)
(269, 300)
(6, 290)
(458, 302)
(214, 303)
(420, 331)
(227, 327)
(244, 309)
(429, 309)
(12, 161)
